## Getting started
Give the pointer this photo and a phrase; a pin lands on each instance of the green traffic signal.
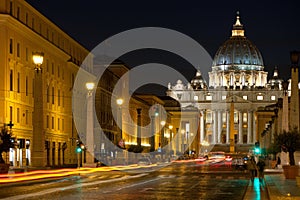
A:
(257, 150)
(78, 149)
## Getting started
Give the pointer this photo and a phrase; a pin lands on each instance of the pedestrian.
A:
(251, 165)
(261, 167)
(278, 161)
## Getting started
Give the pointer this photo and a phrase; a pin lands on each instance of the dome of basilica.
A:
(198, 82)
(238, 53)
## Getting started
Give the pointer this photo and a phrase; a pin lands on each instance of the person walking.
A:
(261, 167)
(251, 165)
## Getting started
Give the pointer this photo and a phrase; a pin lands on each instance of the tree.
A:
(288, 141)
(135, 148)
(6, 142)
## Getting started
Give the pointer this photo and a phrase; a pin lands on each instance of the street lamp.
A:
(38, 58)
(90, 123)
(162, 123)
(90, 86)
(38, 111)
(182, 140)
(171, 136)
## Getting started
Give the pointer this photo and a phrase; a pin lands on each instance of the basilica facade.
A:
(237, 78)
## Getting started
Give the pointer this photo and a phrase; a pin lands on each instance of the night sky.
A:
(273, 26)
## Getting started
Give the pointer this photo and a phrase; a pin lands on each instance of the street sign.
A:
(122, 143)
(159, 149)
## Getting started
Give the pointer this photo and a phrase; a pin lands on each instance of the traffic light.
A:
(257, 149)
(156, 112)
(79, 147)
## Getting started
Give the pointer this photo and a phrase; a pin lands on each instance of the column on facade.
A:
(254, 128)
(249, 133)
(219, 126)
(139, 124)
(178, 141)
(227, 126)
(240, 138)
(152, 138)
(215, 127)
(202, 126)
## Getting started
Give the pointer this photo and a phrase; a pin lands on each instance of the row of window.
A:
(49, 67)
(60, 122)
(44, 29)
(258, 97)
(209, 117)
(60, 95)
(18, 120)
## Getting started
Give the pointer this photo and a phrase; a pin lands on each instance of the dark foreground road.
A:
(186, 180)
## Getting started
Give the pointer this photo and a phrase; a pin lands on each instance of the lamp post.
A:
(120, 137)
(171, 136)
(182, 140)
(204, 147)
(90, 124)
(38, 158)
(187, 143)
(162, 139)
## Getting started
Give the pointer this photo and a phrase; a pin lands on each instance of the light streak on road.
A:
(43, 174)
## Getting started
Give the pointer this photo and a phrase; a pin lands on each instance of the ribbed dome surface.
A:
(238, 53)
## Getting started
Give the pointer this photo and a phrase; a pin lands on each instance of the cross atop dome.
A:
(238, 29)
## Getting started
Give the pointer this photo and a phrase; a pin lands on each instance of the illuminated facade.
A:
(237, 77)
(23, 30)
(138, 113)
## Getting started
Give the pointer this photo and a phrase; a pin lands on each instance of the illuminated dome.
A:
(275, 82)
(198, 82)
(238, 63)
(238, 53)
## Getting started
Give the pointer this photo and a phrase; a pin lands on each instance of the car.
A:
(144, 161)
(239, 163)
(218, 155)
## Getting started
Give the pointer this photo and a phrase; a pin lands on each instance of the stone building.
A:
(237, 78)
(23, 31)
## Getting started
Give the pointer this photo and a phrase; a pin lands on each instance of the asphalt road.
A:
(184, 180)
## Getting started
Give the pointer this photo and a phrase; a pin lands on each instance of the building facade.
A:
(24, 31)
(237, 78)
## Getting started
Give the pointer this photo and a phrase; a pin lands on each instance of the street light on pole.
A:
(182, 140)
(38, 58)
(38, 111)
(171, 136)
(90, 123)
(162, 123)
(120, 136)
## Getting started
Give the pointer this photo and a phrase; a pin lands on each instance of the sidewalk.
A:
(281, 188)
(275, 186)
